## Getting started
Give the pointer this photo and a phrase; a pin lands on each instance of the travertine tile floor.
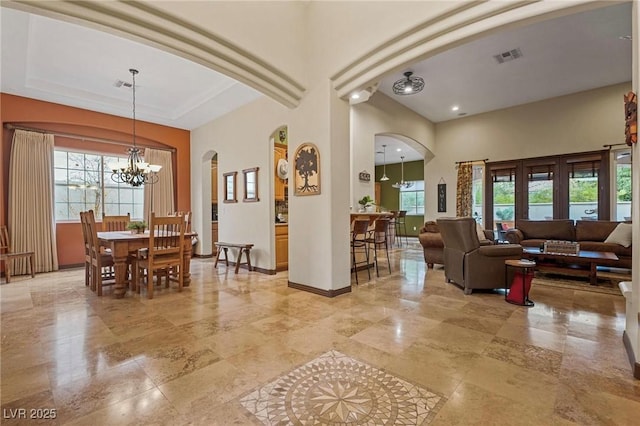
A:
(190, 357)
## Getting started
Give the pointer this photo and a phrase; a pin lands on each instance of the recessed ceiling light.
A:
(355, 96)
(398, 149)
(455, 108)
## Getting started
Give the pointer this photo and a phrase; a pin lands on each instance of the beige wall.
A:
(383, 115)
(574, 123)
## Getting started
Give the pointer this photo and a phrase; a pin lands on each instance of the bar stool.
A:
(401, 224)
(379, 239)
(360, 244)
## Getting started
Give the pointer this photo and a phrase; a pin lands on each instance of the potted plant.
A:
(137, 226)
(366, 202)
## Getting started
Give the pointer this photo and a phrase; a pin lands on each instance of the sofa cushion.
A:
(480, 231)
(594, 230)
(561, 229)
(620, 235)
(617, 249)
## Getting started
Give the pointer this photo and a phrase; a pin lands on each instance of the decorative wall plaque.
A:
(307, 166)
(364, 176)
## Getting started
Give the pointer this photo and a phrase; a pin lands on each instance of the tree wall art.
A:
(307, 165)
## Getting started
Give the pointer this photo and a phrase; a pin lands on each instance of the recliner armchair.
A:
(469, 264)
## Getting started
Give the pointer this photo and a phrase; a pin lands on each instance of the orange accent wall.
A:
(63, 119)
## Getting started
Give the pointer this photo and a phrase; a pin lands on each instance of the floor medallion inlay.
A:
(337, 389)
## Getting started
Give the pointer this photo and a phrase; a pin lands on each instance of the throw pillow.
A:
(480, 232)
(620, 235)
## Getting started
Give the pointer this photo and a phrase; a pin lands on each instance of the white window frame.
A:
(105, 185)
(416, 188)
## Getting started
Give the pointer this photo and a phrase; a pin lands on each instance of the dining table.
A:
(122, 243)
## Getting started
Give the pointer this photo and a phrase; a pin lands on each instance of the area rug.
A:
(337, 389)
(608, 286)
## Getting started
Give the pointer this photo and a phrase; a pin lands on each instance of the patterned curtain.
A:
(31, 219)
(464, 199)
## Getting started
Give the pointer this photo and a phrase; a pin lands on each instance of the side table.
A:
(524, 266)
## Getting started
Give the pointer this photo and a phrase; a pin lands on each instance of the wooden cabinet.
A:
(280, 190)
(282, 247)
(214, 182)
(214, 236)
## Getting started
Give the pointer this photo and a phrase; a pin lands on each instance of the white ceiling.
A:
(64, 63)
(72, 65)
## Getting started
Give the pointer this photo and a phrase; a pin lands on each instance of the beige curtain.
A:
(162, 190)
(31, 218)
(464, 187)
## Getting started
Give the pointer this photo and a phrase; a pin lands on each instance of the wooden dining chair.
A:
(165, 255)
(8, 256)
(187, 219)
(115, 223)
(101, 271)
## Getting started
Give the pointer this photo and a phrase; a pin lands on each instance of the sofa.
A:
(591, 234)
(469, 264)
(433, 245)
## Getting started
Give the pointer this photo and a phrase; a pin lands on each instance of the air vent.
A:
(120, 83)
(507, 56)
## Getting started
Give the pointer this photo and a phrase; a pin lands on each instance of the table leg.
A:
(186, 266)
(219, 252)
(120, 266)
(593, 274)
(246, 251)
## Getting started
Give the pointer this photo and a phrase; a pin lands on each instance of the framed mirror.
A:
(230, 187)
(250, 185)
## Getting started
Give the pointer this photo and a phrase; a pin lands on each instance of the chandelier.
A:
(402, 183)
(384, 173)
(134, 170)
(408, 85)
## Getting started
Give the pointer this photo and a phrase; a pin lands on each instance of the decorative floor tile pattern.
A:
(337, 389)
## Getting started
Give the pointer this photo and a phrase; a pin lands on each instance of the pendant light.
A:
(134, 170)
(384, 173)
(402, 183)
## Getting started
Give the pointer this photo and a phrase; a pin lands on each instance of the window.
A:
(569, 186)
(477, 189)
(540, 191)
(622, 200)
(583, 190)
(504, 195)
(412, 198)
(82, 182)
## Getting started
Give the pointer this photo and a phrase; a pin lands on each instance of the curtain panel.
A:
(464, 187)
(160, 194)
(31, 205)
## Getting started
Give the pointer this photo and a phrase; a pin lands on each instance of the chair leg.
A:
(7, 270)
(367, 249)
(375, 258)
(150, 283)
(386, 249)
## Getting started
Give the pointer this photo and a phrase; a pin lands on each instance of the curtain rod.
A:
(80, 137)
(484, 160)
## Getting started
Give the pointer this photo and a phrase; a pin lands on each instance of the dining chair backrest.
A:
(166, 236)
(187, 219)
(115, 223)
(5, 243)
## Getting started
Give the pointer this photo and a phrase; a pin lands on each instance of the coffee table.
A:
(583, 264)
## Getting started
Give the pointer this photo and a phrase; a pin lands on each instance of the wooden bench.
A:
(242, 248)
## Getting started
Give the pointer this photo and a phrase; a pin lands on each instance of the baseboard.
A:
(635, 365)
(264, 270)
(72, 266)
(203, 256)
(319, 291)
